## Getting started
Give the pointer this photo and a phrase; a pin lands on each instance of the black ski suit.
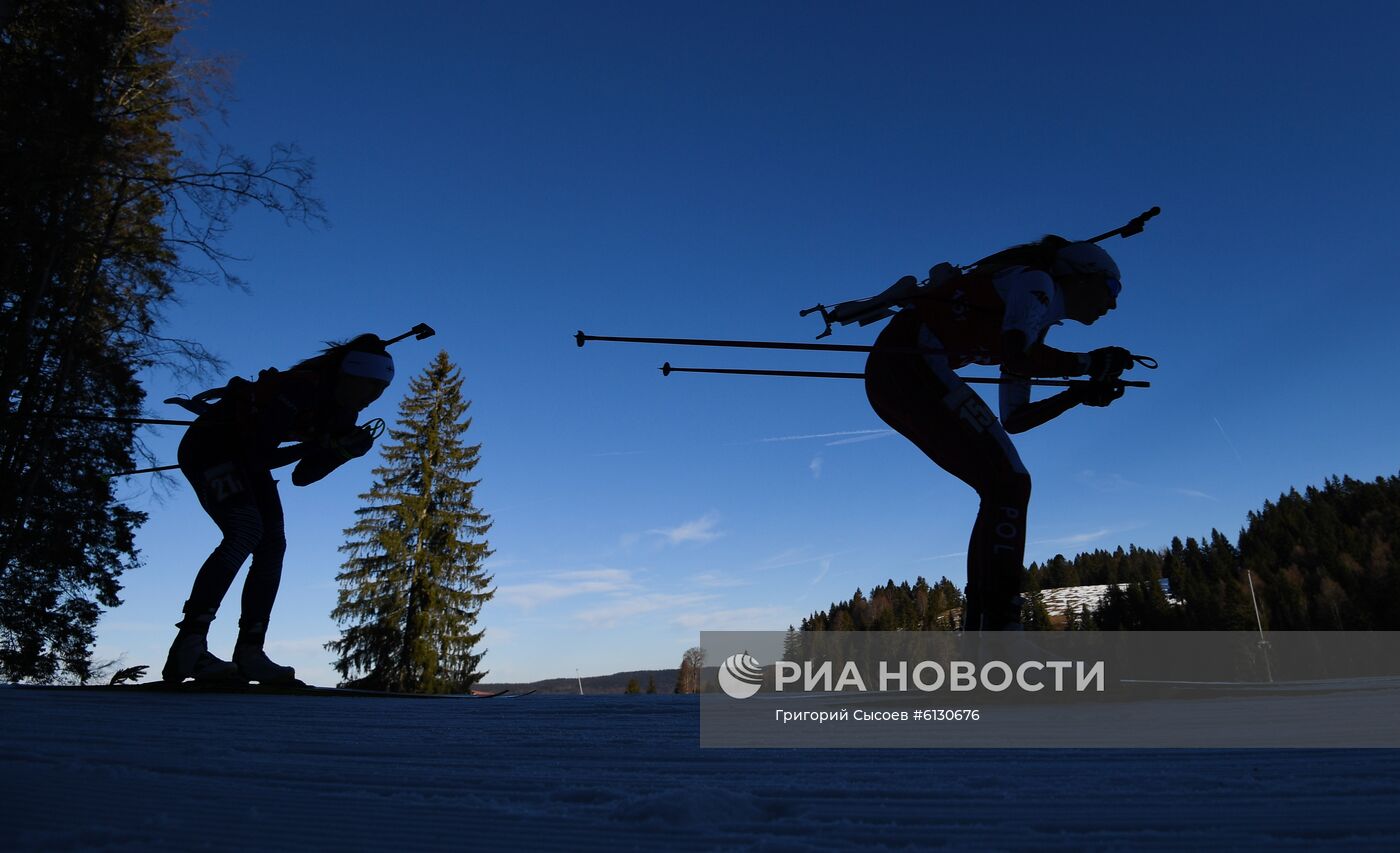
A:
(228, 456)
(921, 397)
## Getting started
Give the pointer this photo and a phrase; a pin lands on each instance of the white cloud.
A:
(134, 627)
(1075, 538)
(1112, 483)
(561, 585)
(862, 432)
(789, 557)
(718, 580)
(499, 635)
(793, 557)
(815, 466)
(617, 576)
(882, 433)
(624, 607)
(1106, 482)
(942, 556)
(736, 619)
(701, 529)
(1193, 493)
(500, 562)
(527, 596)
(300, 645)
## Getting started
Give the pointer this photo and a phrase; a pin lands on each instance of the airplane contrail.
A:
(1227, 440)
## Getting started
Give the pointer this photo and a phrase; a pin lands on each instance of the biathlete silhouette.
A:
(228, 455)
(996, 311)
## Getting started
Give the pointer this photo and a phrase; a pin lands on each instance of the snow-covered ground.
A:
(94, 770)
(1061, 601)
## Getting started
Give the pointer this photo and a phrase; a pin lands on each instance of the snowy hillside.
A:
(141, 772)
(1069, 599)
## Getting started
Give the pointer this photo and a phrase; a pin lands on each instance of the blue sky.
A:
(513, 172)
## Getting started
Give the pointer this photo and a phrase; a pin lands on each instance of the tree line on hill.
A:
(1320, 559)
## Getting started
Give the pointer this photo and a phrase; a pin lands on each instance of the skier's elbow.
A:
(1014, 420)
(1013, 425)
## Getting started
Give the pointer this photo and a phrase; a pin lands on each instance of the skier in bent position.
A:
(228, 456)
(998, 313)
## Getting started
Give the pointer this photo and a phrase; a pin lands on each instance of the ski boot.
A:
(253, 663)
(189, 655)
(1004, 617)
(1007, 640)
(1013, 613)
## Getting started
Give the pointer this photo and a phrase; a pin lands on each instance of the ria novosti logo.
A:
(740, 676)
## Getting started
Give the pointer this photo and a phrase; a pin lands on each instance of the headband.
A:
(371, 365)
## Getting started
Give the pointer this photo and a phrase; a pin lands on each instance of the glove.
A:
(330, 453)
(355, 443)
(1108, 362)
(1097, 394)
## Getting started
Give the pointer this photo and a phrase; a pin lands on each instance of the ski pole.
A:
(581, 338)
(667, 369)
(144, 471)
(120, 420)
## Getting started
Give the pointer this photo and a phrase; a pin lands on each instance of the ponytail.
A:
(330, 358)
(1039, 255)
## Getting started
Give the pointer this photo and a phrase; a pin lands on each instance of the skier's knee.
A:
(272, 545)
(242, 533)
(1020, 488)
(1012, 489)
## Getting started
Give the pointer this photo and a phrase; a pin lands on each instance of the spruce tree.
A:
(1037, 617)
(414, 582)
(792, 645)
